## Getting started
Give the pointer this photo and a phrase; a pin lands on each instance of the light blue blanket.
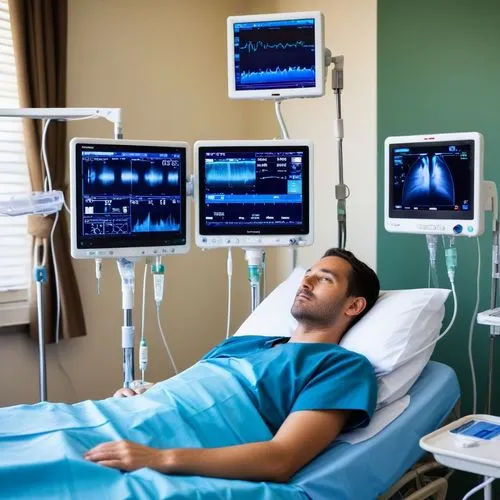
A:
(42, 445)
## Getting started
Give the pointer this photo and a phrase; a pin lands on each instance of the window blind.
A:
(15, 247)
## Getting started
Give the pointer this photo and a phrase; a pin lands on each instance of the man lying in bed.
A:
(307, 388)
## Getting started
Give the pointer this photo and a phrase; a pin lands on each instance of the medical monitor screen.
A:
(254, 190)
(432, 180)
(130, 195)
(276, 56)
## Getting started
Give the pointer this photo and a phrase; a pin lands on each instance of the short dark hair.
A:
(362, 280)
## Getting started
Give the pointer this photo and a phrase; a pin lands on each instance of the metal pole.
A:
(41, 343)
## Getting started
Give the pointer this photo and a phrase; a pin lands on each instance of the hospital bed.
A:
(366, 470)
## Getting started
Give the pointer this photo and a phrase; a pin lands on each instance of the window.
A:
(15, 245)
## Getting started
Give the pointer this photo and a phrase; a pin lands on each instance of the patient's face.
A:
(322, 296)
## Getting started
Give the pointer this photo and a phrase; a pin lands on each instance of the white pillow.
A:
(399, 324)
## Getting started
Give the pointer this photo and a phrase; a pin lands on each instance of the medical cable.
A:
(479, 487)
(158, 271)
(264, 275)
(143, 346)
(279, 116)
(471, 331)
(229, 266)
(437, 339)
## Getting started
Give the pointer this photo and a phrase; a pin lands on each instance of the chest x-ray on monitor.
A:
(128, 198)
(275, 56)
(253, 193)
(433, 184)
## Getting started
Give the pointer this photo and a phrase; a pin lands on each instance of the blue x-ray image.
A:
(429, 182)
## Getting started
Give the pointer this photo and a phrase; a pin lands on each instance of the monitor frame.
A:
(230, 239)
(123, 251)
(456, 226)
(279, 93)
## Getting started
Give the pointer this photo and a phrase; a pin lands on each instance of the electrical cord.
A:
(158, 271)
(471, 330)
(229, 266)
(143, 347)
(437, 339)
(165, 340)
(479, 487)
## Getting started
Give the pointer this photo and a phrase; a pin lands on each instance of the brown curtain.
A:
(39, 32)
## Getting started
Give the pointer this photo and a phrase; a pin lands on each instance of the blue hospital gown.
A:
(283, 377)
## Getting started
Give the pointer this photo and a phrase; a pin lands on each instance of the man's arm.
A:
(303, 435)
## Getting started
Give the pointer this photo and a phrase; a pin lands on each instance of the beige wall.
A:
(164, 63)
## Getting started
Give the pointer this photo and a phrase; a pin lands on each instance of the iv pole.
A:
(40, 272)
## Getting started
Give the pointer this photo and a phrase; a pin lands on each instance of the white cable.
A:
(164, 339)
(471, 331)
(448, 328)
(44, 153)
(143, 349)
(279, 116)
(229, 266)
(479, 487)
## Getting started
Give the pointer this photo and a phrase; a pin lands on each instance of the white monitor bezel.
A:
(128, 252)
(452, 227)
(249, 241)
(317, 91)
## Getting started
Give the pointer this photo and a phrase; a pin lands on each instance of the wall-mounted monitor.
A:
(128, 198)
(276, 56)
(433, 184)
(253, 193)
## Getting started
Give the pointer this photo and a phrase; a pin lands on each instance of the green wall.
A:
(439, 71)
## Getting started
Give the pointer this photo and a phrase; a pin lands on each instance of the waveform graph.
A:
(153, 177)
(104, 175)
(129, 176)
(279, 76)
(258, 45)
(156, 215)
(240, 175)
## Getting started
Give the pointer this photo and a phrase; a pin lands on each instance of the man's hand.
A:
(126, 392)
(127, 456)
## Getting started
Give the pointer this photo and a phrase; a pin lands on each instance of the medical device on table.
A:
(128, 201)
(49, 202)
(251, 195)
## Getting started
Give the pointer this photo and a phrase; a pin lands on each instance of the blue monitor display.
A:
(247, 190)
(276, 54)
(130, 195)
(434, 180)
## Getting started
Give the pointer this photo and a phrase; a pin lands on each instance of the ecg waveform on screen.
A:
(151, 225)
(277, 75)
(252, 47)
(231, 173)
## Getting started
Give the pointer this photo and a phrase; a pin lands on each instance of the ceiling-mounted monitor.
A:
(433, 184)
(276, 56)
(253, 193)
(128, 198)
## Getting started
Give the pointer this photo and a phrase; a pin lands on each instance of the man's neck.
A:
(311, 333)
